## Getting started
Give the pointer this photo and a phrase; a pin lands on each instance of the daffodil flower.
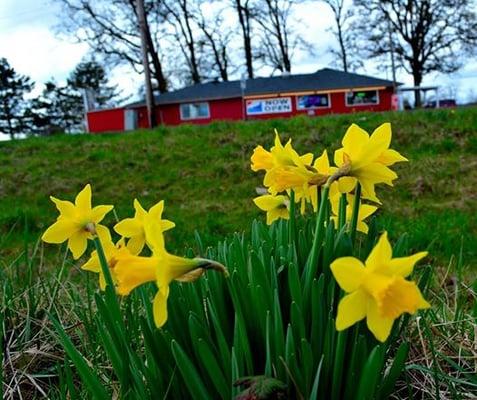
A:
(278, 155)
(365, 210)
(275, 206)
(134, 228)
(111, 250)
(377, 290)
(162, 268)
(77, 223)
(366, 159)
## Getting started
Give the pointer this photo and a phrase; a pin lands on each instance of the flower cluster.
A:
(363, 159)
(376, 290)
(79, 222)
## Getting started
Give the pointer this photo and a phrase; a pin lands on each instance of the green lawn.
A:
(203, 174)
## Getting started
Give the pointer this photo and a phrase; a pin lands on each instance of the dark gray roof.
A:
(323, 79)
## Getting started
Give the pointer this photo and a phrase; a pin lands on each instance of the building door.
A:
(130, 119)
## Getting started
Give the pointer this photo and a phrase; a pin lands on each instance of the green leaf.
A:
(397, 367)
(371, 374)
(190, 376)
(88, 376)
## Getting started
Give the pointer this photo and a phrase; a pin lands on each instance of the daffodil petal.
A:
(351, 309)
(390, 157)
(403, 266)
(66, 208)
(140, 212)
(376, 173)
(129, 227)
(379, 326)
(98, 213)
(380, 255)
(354, 139)
(346, 184)
(322, 163)
(77, 243)
(136, 243)
(102, 281)
(348, 272)
(92, 264)
(166, 225)
(60, 231)
(159, 307)
(361, 226)
(83, 199)
(156, 210)
(268, 202)
(104, 236)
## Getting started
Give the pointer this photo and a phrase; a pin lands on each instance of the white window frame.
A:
(313, 108)
(362, 104)
(183, 118)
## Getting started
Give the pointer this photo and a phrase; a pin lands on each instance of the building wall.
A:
(229, 109)
(110, 120)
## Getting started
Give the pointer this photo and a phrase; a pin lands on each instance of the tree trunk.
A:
(244, 20)
(158, 72)
(417, 75)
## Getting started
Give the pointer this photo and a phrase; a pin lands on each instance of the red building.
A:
(326, 91)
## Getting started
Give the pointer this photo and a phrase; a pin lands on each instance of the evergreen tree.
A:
(90, 77)
(59, 109)
(14, 107)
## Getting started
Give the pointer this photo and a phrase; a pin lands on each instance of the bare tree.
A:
(180, 14)
(278, 37)
(217, 39)
(111, 30)
(245, 10)
(345, 54)
(427, 35)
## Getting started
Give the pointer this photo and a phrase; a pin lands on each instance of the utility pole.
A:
(141, 16)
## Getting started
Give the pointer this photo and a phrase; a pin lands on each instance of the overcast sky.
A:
(29, 42)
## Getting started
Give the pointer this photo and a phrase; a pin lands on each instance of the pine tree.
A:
(90, 77)
(14, 107)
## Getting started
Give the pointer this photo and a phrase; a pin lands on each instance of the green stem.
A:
(104, 263)
(292, 223)
(354, 218)
(312, 263)
(342, 211)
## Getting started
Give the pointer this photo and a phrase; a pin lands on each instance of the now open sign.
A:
(269, 106)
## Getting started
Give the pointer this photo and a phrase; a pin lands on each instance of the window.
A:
(195, 110)
(313, 101)
(361, 98)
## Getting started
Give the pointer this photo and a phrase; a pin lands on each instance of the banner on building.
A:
(269, 106)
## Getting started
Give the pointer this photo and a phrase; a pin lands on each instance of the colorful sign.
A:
(269, 106)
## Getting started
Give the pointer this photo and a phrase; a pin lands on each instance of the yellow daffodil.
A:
(134, 228)
(365, 210)
(377, 290)
(275, 206)
(162, 268)
(278, 155)
(366, 159)
(77, 222)
(111, 250)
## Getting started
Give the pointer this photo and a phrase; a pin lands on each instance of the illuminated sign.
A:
(269, 106)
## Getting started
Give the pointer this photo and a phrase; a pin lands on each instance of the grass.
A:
(203, 174)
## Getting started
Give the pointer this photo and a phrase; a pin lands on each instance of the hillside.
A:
(203, 174)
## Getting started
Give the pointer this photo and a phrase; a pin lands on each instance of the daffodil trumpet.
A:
(132, 271)
(377, 290)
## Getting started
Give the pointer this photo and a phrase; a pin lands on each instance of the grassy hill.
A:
(203, 174)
